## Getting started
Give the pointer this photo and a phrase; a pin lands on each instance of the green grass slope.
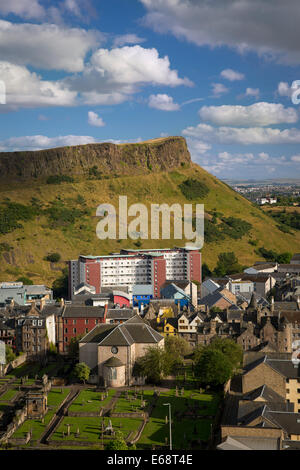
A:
(64, 220)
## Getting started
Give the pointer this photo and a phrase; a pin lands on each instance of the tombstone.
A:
(176, 392)
(166, 420)
(68, 429)
(182, 391)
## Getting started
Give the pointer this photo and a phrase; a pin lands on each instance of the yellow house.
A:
(170, 327)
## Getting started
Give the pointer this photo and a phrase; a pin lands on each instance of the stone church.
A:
(112, 350)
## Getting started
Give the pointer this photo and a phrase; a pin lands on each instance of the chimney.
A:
(42, 303)
(213, 325)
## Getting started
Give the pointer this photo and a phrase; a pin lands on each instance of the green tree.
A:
(227, 264)
(154, 365)
(73, 348)
(61, 285)
(213, 367)
(82, 371)
(10, 355)
(284, 258)
(118, 443)
(177, 348)
(230, 349)
(53, 257)
(26, 281)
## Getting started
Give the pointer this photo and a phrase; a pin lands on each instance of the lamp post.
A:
(170, 423)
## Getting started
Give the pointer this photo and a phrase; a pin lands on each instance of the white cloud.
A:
(134, 65)
(296, 158)
(27, 89)
(243, 136)
(284, 89)
(244, 25)
(219, 89)
(39, 142)
(163, 102)
(258, 114)
(95, 120)
(264, 156)
(23, 8)
(123, 39)
(232, 75)
(253, 92)
(46, 46)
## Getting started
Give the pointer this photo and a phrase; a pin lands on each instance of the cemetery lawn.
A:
(193, 414)
(55, 398)
(90, 401)
(90, 428)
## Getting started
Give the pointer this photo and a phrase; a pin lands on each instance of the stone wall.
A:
(17, 362)
(261, 375)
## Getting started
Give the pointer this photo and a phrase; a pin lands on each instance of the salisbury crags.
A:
(106, 158)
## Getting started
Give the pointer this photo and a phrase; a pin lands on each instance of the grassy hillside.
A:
(62, 218)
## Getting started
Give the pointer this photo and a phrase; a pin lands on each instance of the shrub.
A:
(53, 257)
(193, 189)
(57, 179)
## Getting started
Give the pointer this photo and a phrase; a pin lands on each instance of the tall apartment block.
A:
(131, 267)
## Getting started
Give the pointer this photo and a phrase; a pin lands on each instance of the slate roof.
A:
(285, 306)
(284, 367)
(120, 313)
(265, 392)
(288, 421)
(98, 333)
(142, 289)
(71, 311)
(134, 330)
(249, 443)
(113, 362)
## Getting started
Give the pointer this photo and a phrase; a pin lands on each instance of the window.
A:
(74, 322)
(86, 321)
(74, 330)
(66, 330)
(86, 330)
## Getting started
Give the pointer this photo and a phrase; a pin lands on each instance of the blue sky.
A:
(218, 73)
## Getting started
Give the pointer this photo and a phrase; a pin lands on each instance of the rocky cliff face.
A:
(109, 159)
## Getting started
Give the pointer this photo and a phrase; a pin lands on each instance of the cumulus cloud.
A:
(59, 47)
(95, 120)
(27, 89)
(243, 136)
(123, 39)
(258, 114)
(232, 75)
(219, 89)
(284, 89)
(23, 8)
(244, 25)
(135, 64)
(163, 102)
(252, 92)
(39, 142)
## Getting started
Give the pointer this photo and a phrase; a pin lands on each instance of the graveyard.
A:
(80, 416)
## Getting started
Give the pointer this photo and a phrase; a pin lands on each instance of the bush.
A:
(193, 189)
(57, 179)
(12, 213)
(53, 257)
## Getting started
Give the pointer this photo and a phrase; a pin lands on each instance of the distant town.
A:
(269, 191)
(143, 328)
